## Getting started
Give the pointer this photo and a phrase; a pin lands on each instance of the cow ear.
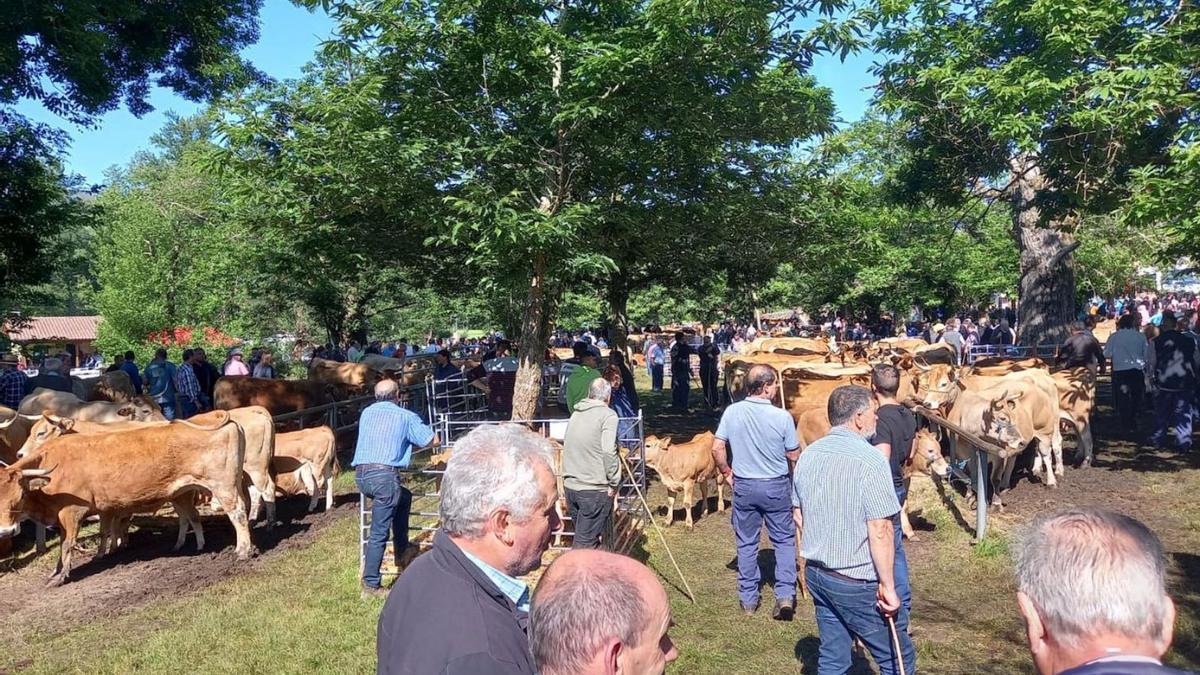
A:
(35, 483)
(66, 423)
(126, 411)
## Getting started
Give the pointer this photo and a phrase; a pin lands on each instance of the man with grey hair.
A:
(387, 434)
(1091, 587)
(461, 608)
(765, 448)
(595, 613)
(590, 466)
(843, 503)
(50, 376)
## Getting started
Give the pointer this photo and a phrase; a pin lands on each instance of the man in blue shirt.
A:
(765, 448)
(387, 435)
(160, 382)
(131, 369)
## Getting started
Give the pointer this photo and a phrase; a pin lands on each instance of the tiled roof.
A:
(55, 328)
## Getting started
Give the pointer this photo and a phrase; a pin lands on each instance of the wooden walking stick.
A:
(649, 514)
(896, 643)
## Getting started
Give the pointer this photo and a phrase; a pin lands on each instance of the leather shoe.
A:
(373, 592)
(784, 609)
(750, 609)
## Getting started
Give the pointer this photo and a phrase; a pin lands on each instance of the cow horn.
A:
(36, 473)
(31, 418)
(6, 424)
(924, 367)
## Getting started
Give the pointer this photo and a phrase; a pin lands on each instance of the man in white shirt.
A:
(1127, 349)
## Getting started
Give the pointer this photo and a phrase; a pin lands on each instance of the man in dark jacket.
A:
(1171, 365)
(49, 376)
(1081, 350)
(710, 368)
(461, 607)
(681, 371)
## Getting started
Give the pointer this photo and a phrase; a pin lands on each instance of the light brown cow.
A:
(927, 460)
(14, 429)
(384, 365)
(277, 396)
(354, 377)
(1076, 398)
(114, 386)
(681, 466)
(140, 409)
(305, 462)
(77, 475)
(259, 431)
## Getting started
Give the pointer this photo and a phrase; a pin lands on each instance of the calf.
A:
(305, 462)
(77, 475)
(681, 466)
(139, 409)
(926, 459)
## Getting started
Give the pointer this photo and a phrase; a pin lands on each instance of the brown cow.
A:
(259, 431)
(1076, 398)
(681, 466)
(926, 459)
(305, 462)
(77, 475)
(354, 377)
(139, 409)
(14, 429)
(277, 396)
(114, 386)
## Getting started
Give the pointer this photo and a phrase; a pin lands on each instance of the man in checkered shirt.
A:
(12, 383)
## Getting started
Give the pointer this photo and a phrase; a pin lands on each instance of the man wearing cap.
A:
(12, 382)
(235, 366)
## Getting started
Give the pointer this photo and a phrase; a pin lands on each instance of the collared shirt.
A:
(1127, 349)
(760, 436)
(387, 434)
(12, 388)
(577, 384)
(235, 367)
(515, 589)
(134, 377)
(186, 383)
(841, 482)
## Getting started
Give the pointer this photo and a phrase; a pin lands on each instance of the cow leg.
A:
(1046, 446)
(905, 526)
(69, 519)
(720, 492)
(310, 484)
(1086, 446)
(255, 502)
(236, 501)
(671, 506)
(107, 531)
(329, 488)
(266, 491)
(704, 497)
(188, 516)
(687, 501)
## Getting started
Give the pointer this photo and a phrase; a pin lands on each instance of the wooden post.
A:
(981, 502)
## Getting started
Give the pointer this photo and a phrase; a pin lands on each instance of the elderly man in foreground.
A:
(461, 608)
(1091, 586)
(596, 613)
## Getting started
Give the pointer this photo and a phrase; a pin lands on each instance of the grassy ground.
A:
(300, 612)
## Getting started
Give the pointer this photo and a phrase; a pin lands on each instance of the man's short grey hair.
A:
(572, 618)
(492, 467)
(52, 363)
(600, 390)
(385, 390)
(847, 401)
(759, 378)
(1090, 571)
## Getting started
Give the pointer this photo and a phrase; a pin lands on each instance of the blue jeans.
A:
(390, 506)
(754, 501)
(168, 409)
(656, 377)
(679, 389)
(1173, 409)
(900, 567)
(846, 610)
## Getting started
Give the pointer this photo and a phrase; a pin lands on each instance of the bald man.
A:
(597, 612)
(387, 435)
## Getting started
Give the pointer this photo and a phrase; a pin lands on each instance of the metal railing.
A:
(1045, 352)
(423, 478)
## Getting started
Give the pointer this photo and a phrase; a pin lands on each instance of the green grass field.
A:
(299, 612)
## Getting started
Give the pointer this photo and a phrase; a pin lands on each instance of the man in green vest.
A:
(578, 381)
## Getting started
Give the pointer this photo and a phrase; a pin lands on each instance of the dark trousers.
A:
(590, 511)
(1129, 387)
(186, 409)
(656, 377)
(1172, 409)
(679, 389)
(391, 503)
(846, 610)
(900, 566)
(708, 380)
(756, 501)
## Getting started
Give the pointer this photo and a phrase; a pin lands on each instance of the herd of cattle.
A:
(66, 458)
(1016, 405)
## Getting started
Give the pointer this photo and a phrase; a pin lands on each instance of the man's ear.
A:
(500, 520)
(612, 656)
(1168, 627)
(1034, 628)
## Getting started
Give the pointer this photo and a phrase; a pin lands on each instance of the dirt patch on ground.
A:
(147, 569)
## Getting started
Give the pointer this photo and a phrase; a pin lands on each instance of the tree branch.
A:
(1061, 255)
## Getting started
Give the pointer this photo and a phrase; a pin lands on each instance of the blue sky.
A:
(289, 37)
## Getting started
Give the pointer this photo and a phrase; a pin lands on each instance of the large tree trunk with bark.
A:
(618, 313)
(531, 347)
(1046, 292)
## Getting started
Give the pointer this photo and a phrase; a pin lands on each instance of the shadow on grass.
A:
(1182, 588)
(808, 648)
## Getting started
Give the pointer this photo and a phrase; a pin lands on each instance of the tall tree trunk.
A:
(531, 347)
(618, 313)
(1046, 293)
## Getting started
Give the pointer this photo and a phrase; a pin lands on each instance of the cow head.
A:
(928, 456)
(1000, 421)
(937, 385)
(141, 408)
(655, 448)
(46, 427)
(15, 485)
